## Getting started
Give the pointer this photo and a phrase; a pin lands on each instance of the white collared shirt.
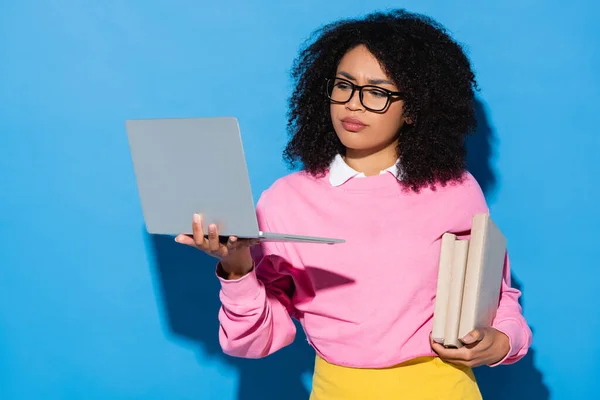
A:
(340, 172)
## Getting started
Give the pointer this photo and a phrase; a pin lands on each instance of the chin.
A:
(357, 141)
(352, 139)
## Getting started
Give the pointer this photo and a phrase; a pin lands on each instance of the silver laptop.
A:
(197, 165)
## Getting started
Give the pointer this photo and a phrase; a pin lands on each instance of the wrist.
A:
(503, 344)
(232, 271)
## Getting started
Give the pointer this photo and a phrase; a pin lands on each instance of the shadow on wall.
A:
(191, 303)
(522, 380)
(480, 152)
(519, 381)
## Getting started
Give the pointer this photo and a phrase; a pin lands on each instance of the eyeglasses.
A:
(373, 98)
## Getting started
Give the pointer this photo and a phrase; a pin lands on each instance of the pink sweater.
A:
(365, 303)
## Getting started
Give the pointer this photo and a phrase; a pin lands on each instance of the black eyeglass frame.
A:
(390, 93)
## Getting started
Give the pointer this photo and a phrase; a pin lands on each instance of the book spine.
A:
(443, 287)
(473, 275)
(455, 298)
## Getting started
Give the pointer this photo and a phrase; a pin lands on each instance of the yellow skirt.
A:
(419, 379)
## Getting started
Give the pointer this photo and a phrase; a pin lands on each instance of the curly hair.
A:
(425, 63)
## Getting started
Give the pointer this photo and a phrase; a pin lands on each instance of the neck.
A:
(371, 162)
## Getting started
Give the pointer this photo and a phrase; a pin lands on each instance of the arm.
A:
(255, 316)
(509, 316)
(510, 321)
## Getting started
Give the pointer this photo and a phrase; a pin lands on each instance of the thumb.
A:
(473, 336)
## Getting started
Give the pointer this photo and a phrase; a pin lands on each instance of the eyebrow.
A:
(371, 81)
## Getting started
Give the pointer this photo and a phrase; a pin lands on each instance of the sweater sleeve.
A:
(509, 317)
(255, 315)
(510, 321)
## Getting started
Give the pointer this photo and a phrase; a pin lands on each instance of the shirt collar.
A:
(340, 172)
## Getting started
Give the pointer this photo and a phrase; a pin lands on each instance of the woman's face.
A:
(358, 128)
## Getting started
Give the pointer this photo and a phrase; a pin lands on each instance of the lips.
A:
(353, 124)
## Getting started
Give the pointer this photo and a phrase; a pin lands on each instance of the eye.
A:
(342, 86)
(376, 93)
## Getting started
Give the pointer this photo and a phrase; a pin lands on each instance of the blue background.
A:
(93, 308)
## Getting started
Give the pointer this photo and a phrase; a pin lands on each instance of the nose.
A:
(354, 103)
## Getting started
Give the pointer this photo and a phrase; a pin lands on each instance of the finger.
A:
(185, 239)
(473, 337)
(198, 232)
(232, 243)
(481, 345)
(461, 354)
(213, 239)
(444, 352)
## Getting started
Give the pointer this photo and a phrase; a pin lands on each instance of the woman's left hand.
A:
(485, 346)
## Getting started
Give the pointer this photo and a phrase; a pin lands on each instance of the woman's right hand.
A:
(234, 256)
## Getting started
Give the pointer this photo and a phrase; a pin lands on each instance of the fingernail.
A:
(197, 218)
(212, 228)
(468, 339)
(177, 239)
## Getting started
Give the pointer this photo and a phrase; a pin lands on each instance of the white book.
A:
(443, 287)
(455, 293)
(483, 279)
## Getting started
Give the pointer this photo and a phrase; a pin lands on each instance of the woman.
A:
(378, 122)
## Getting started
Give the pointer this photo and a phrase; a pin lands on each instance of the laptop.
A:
(184, 166)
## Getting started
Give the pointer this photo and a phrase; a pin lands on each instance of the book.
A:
(455, 293)
(469, 281)
(438, 331)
